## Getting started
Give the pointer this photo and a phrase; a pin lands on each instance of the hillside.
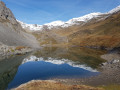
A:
(97, 30)
(104, 33)
(11, 32)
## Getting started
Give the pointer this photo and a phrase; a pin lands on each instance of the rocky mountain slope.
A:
(98, 30)
(11, 32)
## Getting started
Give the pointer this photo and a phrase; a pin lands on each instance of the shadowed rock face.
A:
(11, 32)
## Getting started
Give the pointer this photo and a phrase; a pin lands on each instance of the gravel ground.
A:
(109, 73)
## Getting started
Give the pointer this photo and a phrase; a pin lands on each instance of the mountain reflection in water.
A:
(55, 62)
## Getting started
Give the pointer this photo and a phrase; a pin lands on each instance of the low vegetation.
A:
(52, 85)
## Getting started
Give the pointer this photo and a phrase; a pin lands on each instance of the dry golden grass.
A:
(52, 85)
(103, 33)
(112, 87)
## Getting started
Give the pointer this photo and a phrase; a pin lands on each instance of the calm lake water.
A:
(49, 63)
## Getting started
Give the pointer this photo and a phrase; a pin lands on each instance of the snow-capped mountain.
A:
(62, 24)
(74, 21)
(84, 18)
(34, 27)
(114, 10)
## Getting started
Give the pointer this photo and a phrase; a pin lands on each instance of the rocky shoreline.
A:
(109, 73)
(6, 51)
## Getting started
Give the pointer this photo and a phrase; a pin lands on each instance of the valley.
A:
(97, 30)
(82, 53)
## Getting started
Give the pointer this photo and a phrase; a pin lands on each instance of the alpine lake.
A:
(50, 63)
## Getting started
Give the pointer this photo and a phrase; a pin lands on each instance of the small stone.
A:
(116, 61)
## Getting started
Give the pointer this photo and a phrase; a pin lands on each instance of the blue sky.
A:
(45, 11)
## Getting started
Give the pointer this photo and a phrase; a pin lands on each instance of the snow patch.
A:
(55, 23)
(114, 10)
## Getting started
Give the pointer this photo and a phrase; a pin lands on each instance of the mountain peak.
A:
(84, 18)
(6, 13)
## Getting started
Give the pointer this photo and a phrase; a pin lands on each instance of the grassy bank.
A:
(52, 85)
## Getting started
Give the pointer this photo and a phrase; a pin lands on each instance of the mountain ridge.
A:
(62, 24)
(100, 32)
(36, 27)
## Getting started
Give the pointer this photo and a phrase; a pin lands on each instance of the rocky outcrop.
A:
(6, 14)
